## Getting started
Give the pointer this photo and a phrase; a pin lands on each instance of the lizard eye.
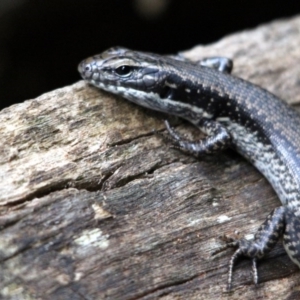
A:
(124, 71)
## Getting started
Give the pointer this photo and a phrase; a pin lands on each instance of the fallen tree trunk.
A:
(96, 206)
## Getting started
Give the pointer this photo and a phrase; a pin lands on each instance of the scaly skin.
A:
(231, 112)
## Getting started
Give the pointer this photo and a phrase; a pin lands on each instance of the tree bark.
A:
(94, 205)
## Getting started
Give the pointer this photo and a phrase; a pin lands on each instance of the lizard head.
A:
(149, 80)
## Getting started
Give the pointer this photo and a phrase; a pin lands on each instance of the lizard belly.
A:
(269, 162)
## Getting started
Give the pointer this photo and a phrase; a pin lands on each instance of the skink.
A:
(232, 113)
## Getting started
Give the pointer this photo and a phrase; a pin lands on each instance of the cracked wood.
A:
(94, 205)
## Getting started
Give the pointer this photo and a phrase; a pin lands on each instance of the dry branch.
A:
(95, 206)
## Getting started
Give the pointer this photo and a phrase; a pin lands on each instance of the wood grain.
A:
(94, 205)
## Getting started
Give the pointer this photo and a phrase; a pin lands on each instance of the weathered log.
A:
(94, 205)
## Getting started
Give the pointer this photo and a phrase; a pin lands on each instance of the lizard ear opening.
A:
(166, 93)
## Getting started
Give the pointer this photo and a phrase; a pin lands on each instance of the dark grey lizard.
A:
(232, 113)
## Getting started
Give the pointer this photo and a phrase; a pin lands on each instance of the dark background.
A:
(41, 42)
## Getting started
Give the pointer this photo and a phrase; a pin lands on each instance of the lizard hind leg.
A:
(264, 240)
(291, 237)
